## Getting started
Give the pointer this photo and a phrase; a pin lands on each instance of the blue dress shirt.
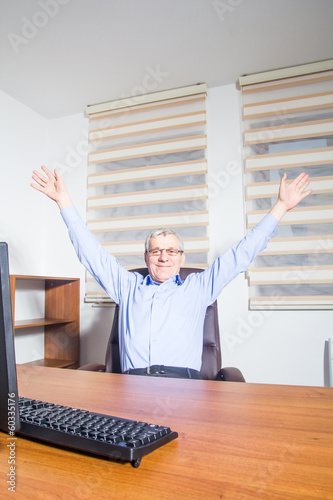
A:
(163, 323)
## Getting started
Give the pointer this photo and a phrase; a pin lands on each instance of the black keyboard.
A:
(85, 431)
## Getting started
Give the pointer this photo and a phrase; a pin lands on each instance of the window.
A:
(147, 169)
(288, 127)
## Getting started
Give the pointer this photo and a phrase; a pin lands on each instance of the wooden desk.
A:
(236, 441)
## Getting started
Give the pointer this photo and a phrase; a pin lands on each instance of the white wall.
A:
(282, 347)
(23, 141)
(31, 224)
(23, 146)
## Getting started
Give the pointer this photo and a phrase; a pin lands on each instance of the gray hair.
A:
(164, 231)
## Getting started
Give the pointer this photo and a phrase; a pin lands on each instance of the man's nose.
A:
(164, 255)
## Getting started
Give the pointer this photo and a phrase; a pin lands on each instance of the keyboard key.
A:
(144, 438)
(113, 439)
(134, 443)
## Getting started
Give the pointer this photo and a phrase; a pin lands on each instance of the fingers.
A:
(301, 179)
(36, 187)
(300, 182)
(48, 172)
(39, 178)
(306, 193)
(304, 184)
(57, 175)
(300, 185)
(37, 174)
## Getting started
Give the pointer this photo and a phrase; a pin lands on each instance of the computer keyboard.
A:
(85, 431)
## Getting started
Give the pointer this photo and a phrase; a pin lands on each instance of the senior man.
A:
(161, 317)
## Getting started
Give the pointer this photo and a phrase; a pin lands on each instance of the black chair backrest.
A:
(211, 354)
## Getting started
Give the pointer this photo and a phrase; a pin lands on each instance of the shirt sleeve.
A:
(103, 266)
(238, 258)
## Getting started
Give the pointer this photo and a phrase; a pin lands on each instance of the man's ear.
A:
(183, 260)
(146, 258)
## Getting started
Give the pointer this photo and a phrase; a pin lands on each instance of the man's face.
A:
(162, 267)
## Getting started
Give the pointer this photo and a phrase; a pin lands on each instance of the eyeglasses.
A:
(172, 252)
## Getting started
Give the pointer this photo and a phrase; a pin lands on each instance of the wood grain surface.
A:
(236, 441)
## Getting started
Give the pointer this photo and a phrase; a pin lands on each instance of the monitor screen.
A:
(9, 415)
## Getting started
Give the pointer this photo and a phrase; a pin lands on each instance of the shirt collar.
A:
(174, 279)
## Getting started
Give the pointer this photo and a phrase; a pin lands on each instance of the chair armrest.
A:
(93, 367)
(230, 374)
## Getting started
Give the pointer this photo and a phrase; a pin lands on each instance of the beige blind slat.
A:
(152, 221)
(148, 173)
(306, 215)
(306, 158)
(289, 132)
(148, 197)
(153, 125)
(287, 302)
(290, 105)
(288, 82)
(149, 149)
(291, 275)
(105, 117)
(300, 245)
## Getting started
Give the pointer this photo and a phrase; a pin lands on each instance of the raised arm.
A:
(53, 186)
(290, 194)
(238, 258)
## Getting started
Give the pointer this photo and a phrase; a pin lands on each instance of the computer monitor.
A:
(9, 414)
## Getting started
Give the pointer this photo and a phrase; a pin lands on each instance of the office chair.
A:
(211, 355)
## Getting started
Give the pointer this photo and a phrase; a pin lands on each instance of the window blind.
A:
(147, 169)
(288, 127)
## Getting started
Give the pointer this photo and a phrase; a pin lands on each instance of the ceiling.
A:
(57, 56)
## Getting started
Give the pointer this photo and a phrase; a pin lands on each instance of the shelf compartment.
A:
(29, 323)
(61, 322)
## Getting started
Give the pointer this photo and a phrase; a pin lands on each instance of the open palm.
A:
(50, 184)
(294, 192)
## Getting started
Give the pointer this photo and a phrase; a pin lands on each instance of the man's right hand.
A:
(53, 186)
